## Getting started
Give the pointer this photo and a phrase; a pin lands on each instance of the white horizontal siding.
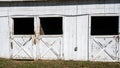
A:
(69, 23)
(99, 8)
(60, 10)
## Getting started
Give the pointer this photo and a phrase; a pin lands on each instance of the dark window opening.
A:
(104, 25)
(23, 26)
(51, 25)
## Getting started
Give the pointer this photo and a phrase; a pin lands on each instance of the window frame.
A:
(46, 16)
(103, 14)
(12, 26)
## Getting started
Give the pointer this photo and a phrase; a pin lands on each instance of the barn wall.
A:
(4, 37)
(71, 35)
(82, 9)
(99, 8)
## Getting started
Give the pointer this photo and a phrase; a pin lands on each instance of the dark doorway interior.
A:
(23, 26)
(104, 25)
(51, 26)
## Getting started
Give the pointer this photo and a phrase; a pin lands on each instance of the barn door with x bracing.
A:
(22, 38)
(50, 40)
(104, 38)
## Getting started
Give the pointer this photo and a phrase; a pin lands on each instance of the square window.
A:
(23, 26)
(51, 25)
(104, 25)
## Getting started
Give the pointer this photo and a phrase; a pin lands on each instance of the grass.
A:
(5, 63)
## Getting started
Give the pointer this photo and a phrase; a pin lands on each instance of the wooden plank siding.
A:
(76, 16)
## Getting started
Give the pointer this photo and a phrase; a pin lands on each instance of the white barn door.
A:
(49, 45)
(22, 35)
(104, 38)
(36, 39)
(76, 38)
(82, 37)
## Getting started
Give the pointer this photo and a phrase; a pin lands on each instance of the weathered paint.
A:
(49, 47)
(103, 47)
(22, 48)
(75, 43)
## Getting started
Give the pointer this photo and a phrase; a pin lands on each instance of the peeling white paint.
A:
(76, 32)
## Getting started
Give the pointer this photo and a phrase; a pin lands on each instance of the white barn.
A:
(86, 30)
